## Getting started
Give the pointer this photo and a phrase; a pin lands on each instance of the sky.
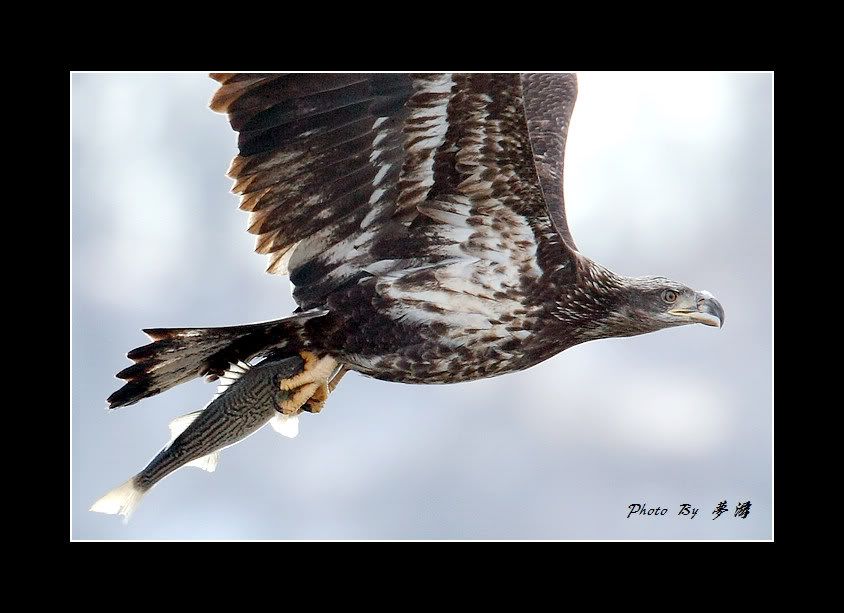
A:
(666, 174)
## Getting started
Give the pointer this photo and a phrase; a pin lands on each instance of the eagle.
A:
(421, 221)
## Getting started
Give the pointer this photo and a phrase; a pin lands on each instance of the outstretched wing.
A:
(549, 102)
(314, 149)
(351, 173)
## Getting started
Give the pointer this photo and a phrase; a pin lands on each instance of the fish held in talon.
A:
(248, 397)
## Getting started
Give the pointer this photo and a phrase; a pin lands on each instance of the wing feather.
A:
(549, 101)
(346, 174)
(306, 149)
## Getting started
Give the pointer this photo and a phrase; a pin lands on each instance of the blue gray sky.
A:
(666, 174)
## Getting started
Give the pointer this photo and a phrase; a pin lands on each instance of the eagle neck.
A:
(587, 304)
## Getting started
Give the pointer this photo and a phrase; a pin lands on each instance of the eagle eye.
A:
(669, 296)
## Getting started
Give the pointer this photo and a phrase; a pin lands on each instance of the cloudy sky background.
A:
(666, 173)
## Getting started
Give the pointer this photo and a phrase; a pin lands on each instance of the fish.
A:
(246, 400)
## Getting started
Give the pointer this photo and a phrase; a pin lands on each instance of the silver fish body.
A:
(247, 400)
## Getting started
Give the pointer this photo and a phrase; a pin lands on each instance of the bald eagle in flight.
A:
(420, 218)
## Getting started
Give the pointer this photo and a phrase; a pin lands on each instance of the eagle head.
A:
(606, 305)
(647, 304)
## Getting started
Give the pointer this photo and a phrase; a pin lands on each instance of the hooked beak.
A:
(708, 312)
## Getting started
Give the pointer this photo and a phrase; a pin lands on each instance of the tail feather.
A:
(122, 500)
(177, 355)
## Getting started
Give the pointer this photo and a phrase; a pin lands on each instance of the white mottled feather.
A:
(431, 134)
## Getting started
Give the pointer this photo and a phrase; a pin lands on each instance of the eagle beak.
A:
(708, 312)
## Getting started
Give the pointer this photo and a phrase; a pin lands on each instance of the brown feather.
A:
(331, 160)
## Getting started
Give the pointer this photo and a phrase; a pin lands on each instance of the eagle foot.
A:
(310, 388)
(317, 401)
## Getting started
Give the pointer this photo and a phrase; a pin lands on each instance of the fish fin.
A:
(286, 425)
(221, 389)
(122, 500)
(234, 372)
(206, 462)
(180, 424)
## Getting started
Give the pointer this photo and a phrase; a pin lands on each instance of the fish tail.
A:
(122, 500)
(177, 355)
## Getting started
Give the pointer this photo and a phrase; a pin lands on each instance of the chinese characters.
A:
(686, 510)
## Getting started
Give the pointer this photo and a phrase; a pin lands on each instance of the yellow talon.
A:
(295, 401)
(310, 386)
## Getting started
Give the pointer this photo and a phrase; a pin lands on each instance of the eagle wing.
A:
(549, 102)
(350, 174)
